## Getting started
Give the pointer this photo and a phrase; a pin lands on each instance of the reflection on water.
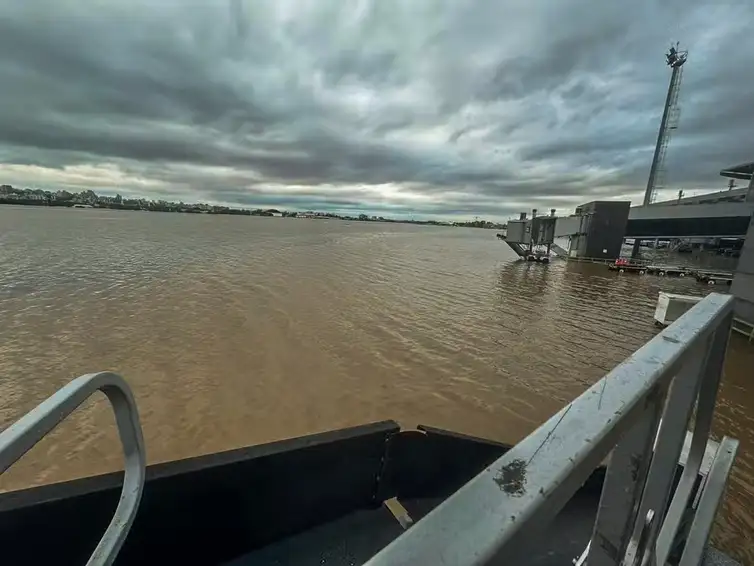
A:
(234, 331)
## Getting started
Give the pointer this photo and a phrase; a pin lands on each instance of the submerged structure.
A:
(600, 229)
(383, 496)
(533, 238)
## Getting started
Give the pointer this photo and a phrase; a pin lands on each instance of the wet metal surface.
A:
(234, 331)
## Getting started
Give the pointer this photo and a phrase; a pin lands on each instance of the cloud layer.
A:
(427, 107)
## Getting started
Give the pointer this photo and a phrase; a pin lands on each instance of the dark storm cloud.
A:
(428, 107)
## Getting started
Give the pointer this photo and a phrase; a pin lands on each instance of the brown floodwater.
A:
(241, 330)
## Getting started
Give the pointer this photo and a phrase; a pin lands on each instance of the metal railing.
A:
(742, 327)
(21, 436)
(638, 414)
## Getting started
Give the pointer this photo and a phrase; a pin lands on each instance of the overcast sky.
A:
(427, 107)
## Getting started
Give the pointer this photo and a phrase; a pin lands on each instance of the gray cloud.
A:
(428, 107)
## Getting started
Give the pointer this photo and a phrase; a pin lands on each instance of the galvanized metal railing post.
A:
(624, 480)
(22, 435)
(624, 486)
(711, 375)
(679, 405)
(709, 502)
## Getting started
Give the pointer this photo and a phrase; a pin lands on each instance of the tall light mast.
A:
(670, 116)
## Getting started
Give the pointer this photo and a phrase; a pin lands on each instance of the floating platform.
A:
(671, 306)
(707, 277)
(659, 270)
(714, 277)
(627, 268)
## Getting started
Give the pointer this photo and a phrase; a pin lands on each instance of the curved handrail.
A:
(22, 435)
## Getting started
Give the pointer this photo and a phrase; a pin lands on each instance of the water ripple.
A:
(235, 331)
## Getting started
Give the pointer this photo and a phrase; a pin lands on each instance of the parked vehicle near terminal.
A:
(623, 265)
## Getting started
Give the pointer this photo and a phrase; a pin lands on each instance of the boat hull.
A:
(309, 500)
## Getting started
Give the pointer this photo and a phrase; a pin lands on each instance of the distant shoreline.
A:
(156, 207)
(152, 206)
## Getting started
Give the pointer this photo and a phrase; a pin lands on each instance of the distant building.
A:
(730, 195)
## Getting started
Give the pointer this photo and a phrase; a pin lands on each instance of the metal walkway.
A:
(520, 249)
(558, 251)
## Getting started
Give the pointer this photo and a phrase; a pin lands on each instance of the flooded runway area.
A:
(241, 330)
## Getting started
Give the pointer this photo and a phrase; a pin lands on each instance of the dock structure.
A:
(595, 230)
(533, 238)
(640, 267)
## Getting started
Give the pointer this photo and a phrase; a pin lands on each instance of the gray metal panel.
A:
(743, 281)
(680, 404)
(718, 210)
(744, 311)
(587, 207)
(567, 226)
(704, 412)
(623, 488)
(743, 286)
(746, 261)
(543, 230)
(517, 231)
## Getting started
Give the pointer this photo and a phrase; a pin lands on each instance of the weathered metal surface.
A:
(624, 487)
(670, 306)
(503, 508)
(21, 436)
(693, 553)
(680, 403)
(711, 375)
(642, 554)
